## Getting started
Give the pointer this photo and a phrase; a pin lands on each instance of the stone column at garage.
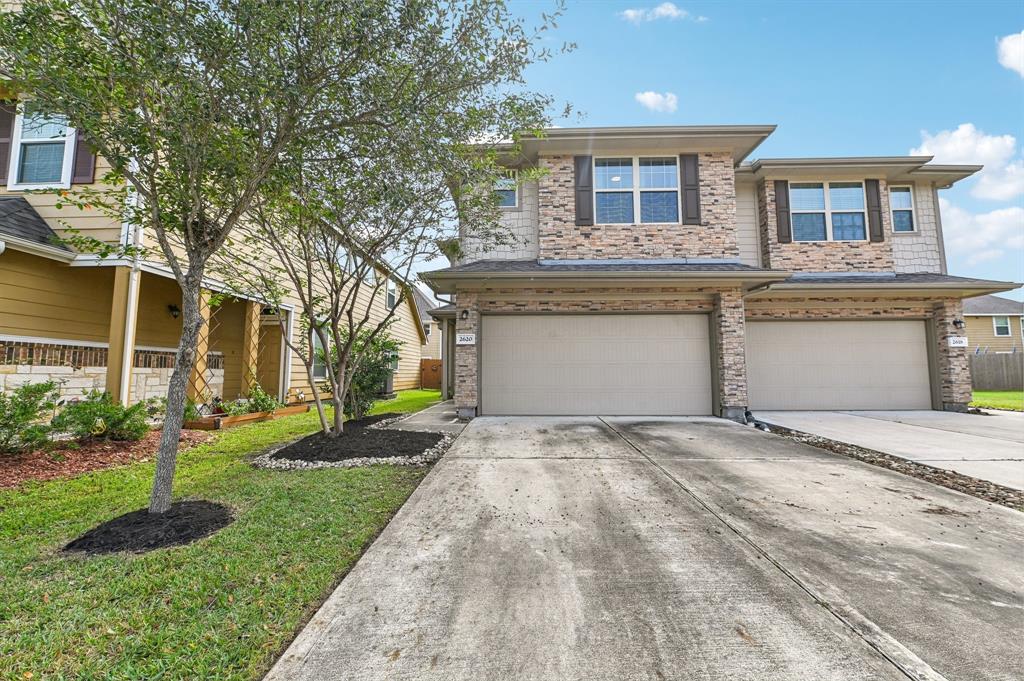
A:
(467, 320)
(953, 363)
(730, 355)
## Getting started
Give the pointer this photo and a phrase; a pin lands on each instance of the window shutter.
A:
(782, 219)
(874, 211)
(6, 129)
(83, 171)
(689, 169)
(584, 186)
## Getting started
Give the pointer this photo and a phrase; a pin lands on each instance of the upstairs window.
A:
(507, 189)
(1001, 326)
(426, 329)
(42, 151)
(319, 356)
(392, 294)
(828, 211)
(901, 203)
(623, 184)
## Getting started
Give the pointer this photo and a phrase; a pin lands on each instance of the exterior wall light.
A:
(174, 310)
(959, 323)
(464, 315)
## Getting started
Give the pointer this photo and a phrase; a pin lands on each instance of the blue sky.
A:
(839, 79)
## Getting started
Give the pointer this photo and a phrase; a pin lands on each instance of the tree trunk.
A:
(166, 458)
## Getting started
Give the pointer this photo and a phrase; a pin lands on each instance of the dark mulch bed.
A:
(982, 489)
(65, 460)
(141, 531)
(357, 441)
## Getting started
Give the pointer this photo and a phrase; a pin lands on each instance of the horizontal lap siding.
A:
(45, 298)
(746, 224)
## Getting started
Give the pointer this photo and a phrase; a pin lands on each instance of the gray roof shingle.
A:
(20, 220)
(883, 278)
(987, 305)
(534, 266)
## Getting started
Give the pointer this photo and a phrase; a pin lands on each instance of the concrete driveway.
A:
(586, 548)
(988, 447)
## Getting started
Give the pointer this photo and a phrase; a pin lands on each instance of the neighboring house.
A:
(659, 272)
(431, 329)
(994, 324)
(113, 324)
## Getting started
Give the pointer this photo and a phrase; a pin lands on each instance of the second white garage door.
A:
(838, 365)
(595, 364)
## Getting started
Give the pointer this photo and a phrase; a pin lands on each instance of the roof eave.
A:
(957, 289)
(33, 248)
(449, 282)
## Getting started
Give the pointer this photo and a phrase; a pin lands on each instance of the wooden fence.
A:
(998, 371)
(430, 374)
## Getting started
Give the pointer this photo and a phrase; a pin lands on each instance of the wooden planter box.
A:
(224, 421)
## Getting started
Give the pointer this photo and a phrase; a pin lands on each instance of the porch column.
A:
(730, 355)
(466, 394)
(198, 386)
(121, 339)
(250, 345)
(953, 364)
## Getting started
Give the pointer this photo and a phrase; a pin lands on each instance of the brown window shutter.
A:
(689, 171)
(782, 218)
(875, 231)
(83, 171)
(584, 186)
(6, 129)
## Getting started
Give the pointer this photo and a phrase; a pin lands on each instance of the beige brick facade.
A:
(560, 238)
(821, 256)
(953, 363)
(730, 353)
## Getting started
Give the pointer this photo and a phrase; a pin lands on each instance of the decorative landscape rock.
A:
(366, 442)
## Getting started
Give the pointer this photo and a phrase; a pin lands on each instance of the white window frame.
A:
(314, 339)
(17, 143)
(996, 326)
(390, 290)
(513, 175)
(426, 330)
(912, 209)
(828, 212)
(636, 190)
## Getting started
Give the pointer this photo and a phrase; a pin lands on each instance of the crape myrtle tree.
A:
(360, 210)
(194, 103)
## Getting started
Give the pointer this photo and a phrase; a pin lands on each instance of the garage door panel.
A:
(838, 365)
(595, 364)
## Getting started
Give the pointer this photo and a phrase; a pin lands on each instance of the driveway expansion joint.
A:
(903, 659)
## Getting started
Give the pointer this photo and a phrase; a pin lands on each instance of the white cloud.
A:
(1011, 52)
(656, 101)
(1002, 178)
(982, 236)
(665, 10)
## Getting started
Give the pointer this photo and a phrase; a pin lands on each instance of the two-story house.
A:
(658, 272)
(114, 323)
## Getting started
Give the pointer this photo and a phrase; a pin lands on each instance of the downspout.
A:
(3, 247)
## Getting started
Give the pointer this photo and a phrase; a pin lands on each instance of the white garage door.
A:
(595, 364)
(838, 365)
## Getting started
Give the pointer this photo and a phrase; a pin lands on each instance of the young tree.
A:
(193, 103)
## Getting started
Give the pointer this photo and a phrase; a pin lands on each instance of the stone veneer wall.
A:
(731, 355)
(954, 371)
(715, 237)
(726, 303)
(821, 256)
(79, 368)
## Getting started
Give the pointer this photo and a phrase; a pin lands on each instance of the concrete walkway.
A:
(441, 418)
(987, 447)
(586, 548)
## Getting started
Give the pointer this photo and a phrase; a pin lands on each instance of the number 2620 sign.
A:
(465, 339)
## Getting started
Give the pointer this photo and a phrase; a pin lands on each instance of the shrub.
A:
(257, 401)
(20, 414)
(98, 416)
(373, 359)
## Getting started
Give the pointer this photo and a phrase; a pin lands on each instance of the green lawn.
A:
(222, 608)
(999, 399)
